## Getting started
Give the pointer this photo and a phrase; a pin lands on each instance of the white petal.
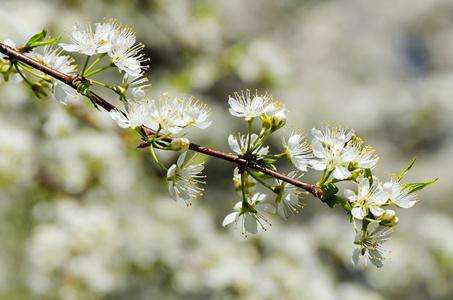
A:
(266, 207)
(356, 256)
(116, 115)
(230, 218)
(350, 195)
(250, 223)
(70, 47)
(234, 145)
(341, 172)
(181, 159)
(358, 212)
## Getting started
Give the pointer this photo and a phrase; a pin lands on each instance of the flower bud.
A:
(278, 120)
(38, 89)
(179, 144)
(389, 218)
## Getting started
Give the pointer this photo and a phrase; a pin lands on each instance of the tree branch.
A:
(73, 82)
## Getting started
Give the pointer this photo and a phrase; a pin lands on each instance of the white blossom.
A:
(370, 244)
(366, 199)
(299, 151)
(330, 158)
(250, 215)
(399, 195)
(51, 58)
(135, 116)
(124, 51)
(89, 43)
(288, 199)
(183, 178)
(333, 134)
(248, 106)
(240, 145)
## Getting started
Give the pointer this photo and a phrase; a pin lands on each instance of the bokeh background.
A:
(85, 215)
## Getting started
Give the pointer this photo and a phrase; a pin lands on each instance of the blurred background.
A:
(85, 215)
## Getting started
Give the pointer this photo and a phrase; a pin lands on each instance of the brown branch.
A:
(74, 80)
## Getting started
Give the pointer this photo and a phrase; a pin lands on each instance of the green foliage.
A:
(416, 186)
(403, 172)
(38, 40)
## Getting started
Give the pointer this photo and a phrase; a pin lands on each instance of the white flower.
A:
(247, 106)
(298, 151)
(64, 93)
(193, 112)
(240, 146)
(274, 117)
(13, 76)
(333, 134)
(399, 195)
(50, 57)
(370, 244)
(329, 145)
(165, 112)
(367, 199)
(136, 115)
(288, 197)
(330, 158)
(183, 178)
(123, 53)
(134, 86)
(250, 215)
(85, 41)
(173, 115)
(359, 157)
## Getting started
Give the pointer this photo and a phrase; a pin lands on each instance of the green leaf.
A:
(39, 37)
(403, 172)
(331, 201)
(266, 163)
(329, 189)
(413, 187)
(38, 40)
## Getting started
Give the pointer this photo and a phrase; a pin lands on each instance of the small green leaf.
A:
(38, 40)
(266, 163)
(403, 172)
(331, 201)
(329, 189)
(413, 187)
(39, 37)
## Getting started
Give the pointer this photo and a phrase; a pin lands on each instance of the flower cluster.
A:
(335, 150)
(64, 64)
(108, 38)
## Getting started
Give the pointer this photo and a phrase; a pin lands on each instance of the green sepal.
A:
(367, 174)
(266, 163)
(38, 40)
(403, 172)
(329, 189)
(39, 88)
(331, 201)
(84, 89)
(416, 186)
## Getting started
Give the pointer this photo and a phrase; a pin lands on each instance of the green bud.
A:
(38, 89)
